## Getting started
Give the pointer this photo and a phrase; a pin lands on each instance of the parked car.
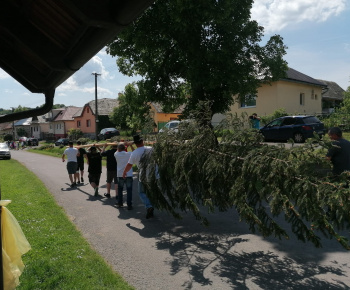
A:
(62, 141)
(172, 125)
(108, 133)
(4, 151)
(20, 139)
(32, 142)
(298, 128)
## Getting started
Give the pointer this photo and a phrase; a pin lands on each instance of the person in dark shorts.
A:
(95, 168)
(111, 169)
(80, 160)
(72, 154)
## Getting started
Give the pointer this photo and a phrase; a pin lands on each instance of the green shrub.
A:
(84, 141)
(277, 114)
(74, 134)
(8, 137)
(46, 147)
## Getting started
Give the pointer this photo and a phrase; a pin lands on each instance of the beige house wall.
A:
(284, 94)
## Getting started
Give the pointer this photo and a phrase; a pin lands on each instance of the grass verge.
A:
(60, 257)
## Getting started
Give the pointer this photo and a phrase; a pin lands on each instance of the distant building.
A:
(85, 117)
(160, 117)
(332, 96)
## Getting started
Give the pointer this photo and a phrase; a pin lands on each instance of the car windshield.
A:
(275, 123)
(3, 146)
(311, 120)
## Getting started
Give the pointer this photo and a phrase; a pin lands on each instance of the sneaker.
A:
(107, 195)
(78, 182)
(149, 212)
(96, 191)
(82, 180)
(119, 205)
(72, 185)
(129, 207)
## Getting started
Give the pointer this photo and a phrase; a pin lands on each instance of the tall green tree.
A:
(208, 50)
(133, 110)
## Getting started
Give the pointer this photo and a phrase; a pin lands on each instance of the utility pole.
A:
(96, 109)
(13, 126)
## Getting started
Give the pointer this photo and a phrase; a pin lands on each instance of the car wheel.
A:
(298, 138)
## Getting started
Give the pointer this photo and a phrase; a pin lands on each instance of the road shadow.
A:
(215, 252)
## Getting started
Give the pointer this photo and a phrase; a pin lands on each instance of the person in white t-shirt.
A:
(72, 163)
(135, 159)
(122, 157)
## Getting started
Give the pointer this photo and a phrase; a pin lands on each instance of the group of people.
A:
(16, 145)
(119, 169)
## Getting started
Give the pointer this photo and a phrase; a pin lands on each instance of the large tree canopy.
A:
(208, 50)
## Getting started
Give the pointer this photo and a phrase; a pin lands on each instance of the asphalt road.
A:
(164, 253)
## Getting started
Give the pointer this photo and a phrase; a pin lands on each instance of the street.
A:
(165, 253)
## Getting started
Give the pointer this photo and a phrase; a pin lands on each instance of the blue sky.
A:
(316, 32)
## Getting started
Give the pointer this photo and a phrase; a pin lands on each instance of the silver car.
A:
(172, 126)
(4, 151)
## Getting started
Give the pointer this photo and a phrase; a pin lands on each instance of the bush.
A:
(46, 147)
(84, 141)
(74, 134)
(337, 119)
(277, 114)
(8, 137)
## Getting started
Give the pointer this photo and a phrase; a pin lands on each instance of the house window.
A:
(50, 126)
(302, 99)
(316, 96)
(248, 101)
(78, 124)
(88, 123)
(87, 110)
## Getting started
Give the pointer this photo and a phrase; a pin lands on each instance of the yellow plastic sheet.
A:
(14, 245)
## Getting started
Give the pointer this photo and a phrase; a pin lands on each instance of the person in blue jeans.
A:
(122, 157)
(135, 159)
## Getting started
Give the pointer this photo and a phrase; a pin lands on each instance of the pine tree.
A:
(190, 170)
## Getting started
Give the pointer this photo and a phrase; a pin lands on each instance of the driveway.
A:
(164, 253)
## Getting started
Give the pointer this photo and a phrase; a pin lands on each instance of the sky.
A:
(316, 32)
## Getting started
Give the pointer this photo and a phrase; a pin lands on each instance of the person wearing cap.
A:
(111, 169)
(135, 158)
(95, 167)
(122, 158)
(72, 154)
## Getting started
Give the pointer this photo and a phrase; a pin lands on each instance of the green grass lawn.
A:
(60, 257)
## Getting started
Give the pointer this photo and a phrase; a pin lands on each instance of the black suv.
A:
(62, 141)
(297, 128)
(108, 133)
(32, 142)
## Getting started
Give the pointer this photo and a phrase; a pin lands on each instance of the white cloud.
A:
(3, 74)
(274, 15)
